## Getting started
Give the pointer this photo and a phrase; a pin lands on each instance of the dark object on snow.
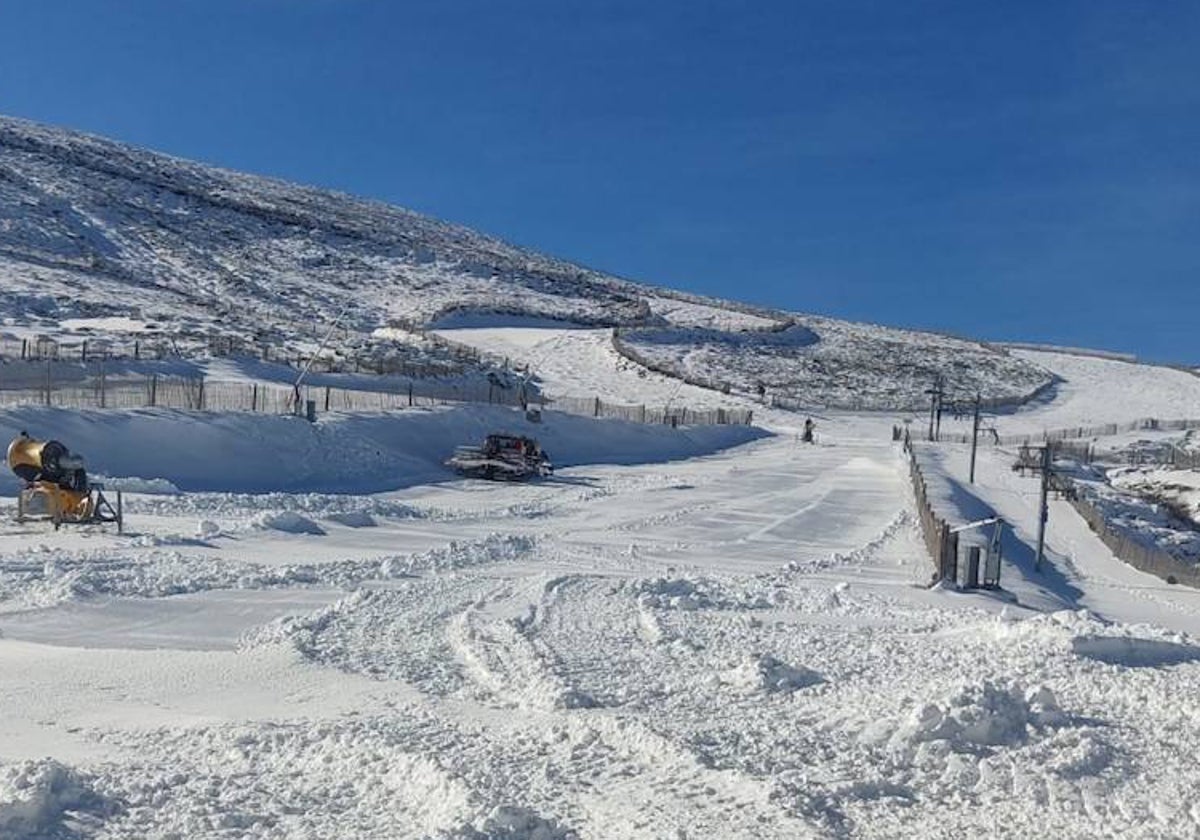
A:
(808, 430)
(502, 456)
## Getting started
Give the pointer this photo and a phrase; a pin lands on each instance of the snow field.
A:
(638, 656)
(737, 643)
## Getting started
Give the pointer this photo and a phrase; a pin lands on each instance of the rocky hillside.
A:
(98, 238)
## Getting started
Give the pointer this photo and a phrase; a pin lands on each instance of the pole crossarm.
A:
(977, 524)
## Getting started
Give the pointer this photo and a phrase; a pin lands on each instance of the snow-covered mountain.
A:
(100, 235)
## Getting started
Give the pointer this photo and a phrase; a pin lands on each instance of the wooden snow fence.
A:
(940, 542)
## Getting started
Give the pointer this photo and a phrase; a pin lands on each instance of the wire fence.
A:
(70, 374)
(196, 394)
(1077, 432)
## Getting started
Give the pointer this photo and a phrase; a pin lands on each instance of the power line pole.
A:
(1044, 507)
(975, 437)
(935, 408)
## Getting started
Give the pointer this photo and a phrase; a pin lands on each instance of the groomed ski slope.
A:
(734, 639)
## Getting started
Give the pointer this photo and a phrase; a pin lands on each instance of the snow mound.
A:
(38, 798)
(1134, 652)
(768, 674)
(494, 548)
(134, 484)
(353, 519)
(206, 529)
(672, 593)
(289, 522)
(510, 822)
(979, 715)
(700, 594)
(1082, 634)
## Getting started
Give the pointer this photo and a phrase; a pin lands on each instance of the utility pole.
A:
(935, 408)
(975, 437)
(1043, 508)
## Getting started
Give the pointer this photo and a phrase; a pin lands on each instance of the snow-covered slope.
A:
(99, 238)
(820, 362)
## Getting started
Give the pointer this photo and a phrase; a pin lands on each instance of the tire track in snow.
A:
(645, 784)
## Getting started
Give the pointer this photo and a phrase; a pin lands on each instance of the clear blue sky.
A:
(1020, 170)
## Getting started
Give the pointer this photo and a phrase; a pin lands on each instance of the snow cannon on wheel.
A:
(56, 485)
(502, 456)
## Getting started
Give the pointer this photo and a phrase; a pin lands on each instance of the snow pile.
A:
(206, 529)
(353, 519)
(135, 484)
(289, 522)
(45, 798)
(672, 593)
(701, 594)
(509, 822)
(492, 548)
(982, 714)
(767, 674)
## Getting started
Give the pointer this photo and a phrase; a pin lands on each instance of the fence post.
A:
(327, 398)
(254, 398)
(596, 410)
(410, 394)
(643, 412)
(153, 389)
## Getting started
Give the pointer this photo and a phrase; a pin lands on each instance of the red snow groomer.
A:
(502, 456)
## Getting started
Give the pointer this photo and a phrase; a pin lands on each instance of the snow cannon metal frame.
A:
(502, 456)
(56, 486)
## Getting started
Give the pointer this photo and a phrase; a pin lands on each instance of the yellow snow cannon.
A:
(56, 485)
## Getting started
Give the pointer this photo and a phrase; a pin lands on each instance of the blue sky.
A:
(1019, 170)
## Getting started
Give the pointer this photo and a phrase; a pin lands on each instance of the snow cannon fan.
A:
(56, 485)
